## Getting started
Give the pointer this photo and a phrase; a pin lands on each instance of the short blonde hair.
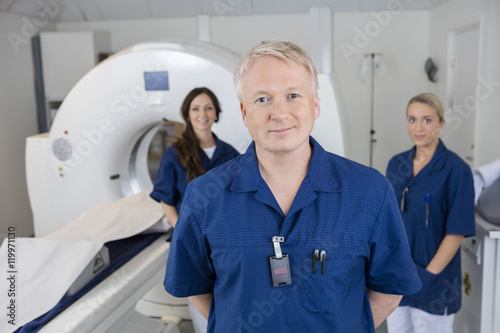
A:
(430, 99)
(286, 51)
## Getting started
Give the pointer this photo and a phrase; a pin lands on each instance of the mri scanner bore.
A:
(159, 137)
(101, 143)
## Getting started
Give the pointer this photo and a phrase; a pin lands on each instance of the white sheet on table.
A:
(46, 267)
(115, 220)
(484, 176)
(44, 271)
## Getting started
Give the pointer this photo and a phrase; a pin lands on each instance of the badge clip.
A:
(277, 248)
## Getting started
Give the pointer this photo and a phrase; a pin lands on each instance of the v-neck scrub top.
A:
(170, 182)
(223, 240)
(445, 186)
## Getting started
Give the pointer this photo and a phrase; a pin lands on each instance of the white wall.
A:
(404, 46)
(240, 33)
(234, 33)
(443, 18)
(17, 119)
(402, 39)
(130, 32)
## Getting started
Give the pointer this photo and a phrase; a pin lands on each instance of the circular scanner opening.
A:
(145, 157)
(161, 140)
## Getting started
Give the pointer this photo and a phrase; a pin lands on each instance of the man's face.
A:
(278, 107)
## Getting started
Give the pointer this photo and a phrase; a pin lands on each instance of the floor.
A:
(186, 326)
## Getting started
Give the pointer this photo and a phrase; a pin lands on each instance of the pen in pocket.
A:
(427, 210)
(319, 256)
(323, 261)
(314, 259)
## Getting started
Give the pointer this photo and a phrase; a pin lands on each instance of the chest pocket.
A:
(321, 294)
(426, 216)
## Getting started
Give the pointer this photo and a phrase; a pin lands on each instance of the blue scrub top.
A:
(170, 182)
(445, 186)
(223, 240)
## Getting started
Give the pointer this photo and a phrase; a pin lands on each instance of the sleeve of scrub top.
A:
(189, 268)
(390, 269)
(460, 219)
(166, 178)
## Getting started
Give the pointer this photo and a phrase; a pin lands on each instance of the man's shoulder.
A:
(221, 175)
(349, 171)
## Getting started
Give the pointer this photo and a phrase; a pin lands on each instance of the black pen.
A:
(323, 259)
(315, 258)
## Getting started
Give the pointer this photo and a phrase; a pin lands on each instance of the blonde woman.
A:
(436, 194)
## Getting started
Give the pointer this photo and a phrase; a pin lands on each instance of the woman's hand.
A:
(170, 213)
(446, 251)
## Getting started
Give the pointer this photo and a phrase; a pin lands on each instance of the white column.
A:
(321, 38)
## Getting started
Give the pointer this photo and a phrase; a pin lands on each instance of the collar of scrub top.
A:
(320, 177)
(437, 160)
(321, 174)
(218, 149)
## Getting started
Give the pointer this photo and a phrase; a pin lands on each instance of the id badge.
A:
(280, 271)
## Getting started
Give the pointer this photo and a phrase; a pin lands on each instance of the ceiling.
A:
(103, 10)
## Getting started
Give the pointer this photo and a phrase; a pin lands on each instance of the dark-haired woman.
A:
(198, 151)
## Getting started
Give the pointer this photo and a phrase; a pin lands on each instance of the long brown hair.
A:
(187, 146)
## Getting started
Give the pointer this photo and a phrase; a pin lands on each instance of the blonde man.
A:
(288, 237)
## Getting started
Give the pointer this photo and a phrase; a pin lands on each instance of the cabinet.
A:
(481, 281)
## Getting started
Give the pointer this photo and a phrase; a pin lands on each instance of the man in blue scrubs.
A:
(289, 237)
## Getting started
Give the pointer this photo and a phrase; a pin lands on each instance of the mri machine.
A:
(97, 151)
